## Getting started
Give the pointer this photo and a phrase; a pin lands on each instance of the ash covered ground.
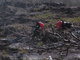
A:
(16, 26)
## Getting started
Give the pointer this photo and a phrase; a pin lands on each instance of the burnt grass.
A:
(16, 27)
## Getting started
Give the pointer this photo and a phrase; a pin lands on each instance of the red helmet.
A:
(59, 24)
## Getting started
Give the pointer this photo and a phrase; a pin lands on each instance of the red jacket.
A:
(41, 25)
(59, 24)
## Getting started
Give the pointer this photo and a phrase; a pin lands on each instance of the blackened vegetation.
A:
(17, 28)
(67, 10)
(54, 4)
(20, 4)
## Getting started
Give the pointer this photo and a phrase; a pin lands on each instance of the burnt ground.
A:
(16, 26)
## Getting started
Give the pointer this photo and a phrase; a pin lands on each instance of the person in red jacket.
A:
(39, 25)
(59, 24)
(63, 25)
(38, 28)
